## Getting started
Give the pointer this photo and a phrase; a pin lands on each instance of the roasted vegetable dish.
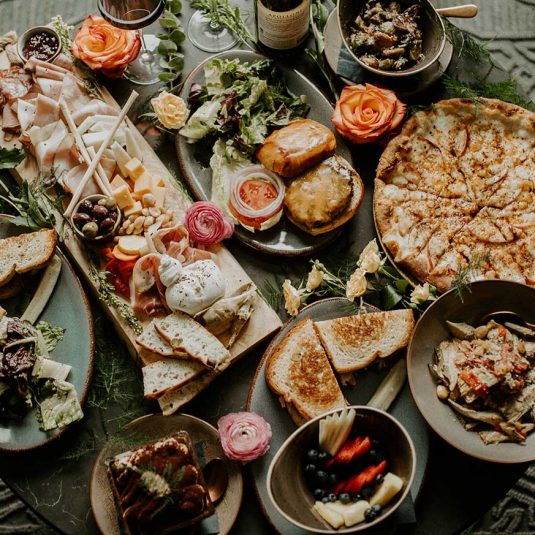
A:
(387, 35)
(486, 374)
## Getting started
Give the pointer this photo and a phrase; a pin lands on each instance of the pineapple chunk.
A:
(353, 513)
(333, 518)
(122, 197)
(134, 168)
(134, 209)
(389, 487)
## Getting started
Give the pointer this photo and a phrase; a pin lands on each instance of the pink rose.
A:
(206, 223)
(244, 436)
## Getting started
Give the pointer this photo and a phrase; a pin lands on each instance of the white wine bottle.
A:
(282, 24)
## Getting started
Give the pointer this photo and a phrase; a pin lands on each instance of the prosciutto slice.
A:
(49, 87)
(149, 292)
(73, 94)
(46, 111)
(94, 107)
(33, 63)
(74, 176)
(48, 73)
(174, 241)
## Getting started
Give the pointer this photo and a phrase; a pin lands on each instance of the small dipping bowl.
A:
(286, 483)
(94, 199)
(34, 36)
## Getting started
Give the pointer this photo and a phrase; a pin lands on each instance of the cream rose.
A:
(421, 294)
(105, 48)
(365, 113)
(315, 279)
(171, 110)
(357, 284)
(292, 298)
(369, 259)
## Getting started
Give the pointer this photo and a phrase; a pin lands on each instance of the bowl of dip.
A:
(40, 42)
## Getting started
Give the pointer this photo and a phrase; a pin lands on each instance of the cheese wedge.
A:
(123, 257)
(143, 185)
(159, 196)
(134, 209)
(122, 157)
(123, 197)
(134, 168)
(118, 182)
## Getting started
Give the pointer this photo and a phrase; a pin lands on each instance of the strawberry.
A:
(356, 483)
(351, 450)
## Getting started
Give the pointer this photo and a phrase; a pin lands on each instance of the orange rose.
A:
(365, 113)
(103, 47)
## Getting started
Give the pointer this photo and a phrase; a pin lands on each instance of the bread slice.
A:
(151, 339)
(184, 334)
(299, 371)
(25, 252)
(167, 375)
(354, 342)
(172, 400)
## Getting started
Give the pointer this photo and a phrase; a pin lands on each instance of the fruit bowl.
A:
(291, 493)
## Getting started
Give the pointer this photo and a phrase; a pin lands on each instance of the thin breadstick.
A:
(96, 159)
(100, 176)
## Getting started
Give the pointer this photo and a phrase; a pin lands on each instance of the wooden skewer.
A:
(100, 175)
(96, 159)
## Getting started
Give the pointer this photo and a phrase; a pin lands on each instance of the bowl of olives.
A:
(96, 217)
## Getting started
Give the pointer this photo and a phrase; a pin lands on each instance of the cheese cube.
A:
(134, 168)
(157, 181)
(118, 182)
(123, 197)
(159, 195)
(134, 209)
(121, 156)
(143, 184)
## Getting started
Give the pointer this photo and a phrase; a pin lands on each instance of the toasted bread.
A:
(295, 148)
(166, 375)
(324, 197)
(299, 371)
(354, 342)
(25, 252)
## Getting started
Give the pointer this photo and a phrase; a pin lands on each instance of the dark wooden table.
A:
(53, 481)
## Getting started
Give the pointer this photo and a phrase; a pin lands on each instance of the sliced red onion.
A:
(206, 223)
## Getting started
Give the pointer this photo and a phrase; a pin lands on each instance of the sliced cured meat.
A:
(145, 272)
(174, 241)
(149, 292)
(15, 82)
(25, 113)
(46, 150)
(33, 63)
(74, 177)
(66, 156)
(73, 94)
(10, 122)
(46, 111)
(49, 88)
(48, 73)
(93, 107)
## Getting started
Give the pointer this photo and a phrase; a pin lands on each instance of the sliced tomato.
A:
(257, 193)
(254, 222)
(478, 387)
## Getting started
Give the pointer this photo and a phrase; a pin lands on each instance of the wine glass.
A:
(134, 15)
(208, 35)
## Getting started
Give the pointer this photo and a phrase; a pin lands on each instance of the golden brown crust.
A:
(475, 160)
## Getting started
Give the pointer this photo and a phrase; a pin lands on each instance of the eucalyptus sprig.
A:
(170, 41)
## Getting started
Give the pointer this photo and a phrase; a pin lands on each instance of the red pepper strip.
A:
(107, 252)
(351, 450)
(120, 273)
(356, 483)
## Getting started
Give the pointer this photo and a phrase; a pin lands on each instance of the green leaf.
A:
(167, 76)
(401, 285)
(169, 20)
(390, 297)
(10, 158)
(176, 63)
(177, 36)
(390, 271)
(174, 6)
(166, 47)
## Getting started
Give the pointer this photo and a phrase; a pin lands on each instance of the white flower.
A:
(421, 294)
(369, 259)
(357, 284)
(171, 110)
(315, 279)
(292, 298)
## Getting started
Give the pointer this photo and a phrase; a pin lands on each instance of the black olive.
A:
(100, 212)
(80, 219)
(86, 206)
(322, 456)
(332, 497)
(312, 455)
(113, 215)
(322, 477)
(106, 225)
(318, 494)
(345, 497)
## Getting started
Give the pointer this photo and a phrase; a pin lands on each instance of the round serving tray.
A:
(266, 403)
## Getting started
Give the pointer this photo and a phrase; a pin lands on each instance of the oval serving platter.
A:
(266, 403)
(284, 238)
(205, 439)
(69, 308)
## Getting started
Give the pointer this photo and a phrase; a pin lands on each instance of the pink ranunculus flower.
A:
(206, 223)
(244, 436)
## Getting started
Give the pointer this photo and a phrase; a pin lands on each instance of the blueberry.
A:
(312, 455)
(318, 494)
(376, 455)
(322, 477)
(379, 478)
(333, 479)
(358, 497)
(370, 514)
(332, 497)
(377, 508)
(325, 499)
(322, 456)
(366, 492)
(345, 497)
(310, 470)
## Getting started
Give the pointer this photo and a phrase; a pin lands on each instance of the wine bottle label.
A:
(283, 30)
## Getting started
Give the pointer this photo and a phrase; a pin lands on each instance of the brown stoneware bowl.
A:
(286, 484)
(483, 297)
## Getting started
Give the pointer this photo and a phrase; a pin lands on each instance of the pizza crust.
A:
(459, 182)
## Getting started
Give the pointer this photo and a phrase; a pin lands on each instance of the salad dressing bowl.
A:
(286, 483)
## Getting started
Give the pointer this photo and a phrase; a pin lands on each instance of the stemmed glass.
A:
(134, 15)
(208, 35)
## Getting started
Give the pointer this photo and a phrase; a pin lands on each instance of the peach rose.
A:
(105, 48)
(365, 113)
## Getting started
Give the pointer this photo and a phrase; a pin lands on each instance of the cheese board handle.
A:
(466, 11)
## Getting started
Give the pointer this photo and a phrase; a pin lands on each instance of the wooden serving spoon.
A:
(466, 11)
(506, 316)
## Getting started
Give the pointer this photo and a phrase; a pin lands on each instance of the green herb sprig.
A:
(106, 294)
(466, 274)
(11, 158)
(170, 41)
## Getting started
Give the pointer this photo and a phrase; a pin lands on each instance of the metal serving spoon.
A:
(507, 316)
(216, 477)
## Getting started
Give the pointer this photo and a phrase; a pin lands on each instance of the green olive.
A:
(90, 230)
(110, 203)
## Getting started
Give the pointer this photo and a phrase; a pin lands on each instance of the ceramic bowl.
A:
(286, 484)
(21, 43)
(483, 298)
(98, 237)
(434, 35)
